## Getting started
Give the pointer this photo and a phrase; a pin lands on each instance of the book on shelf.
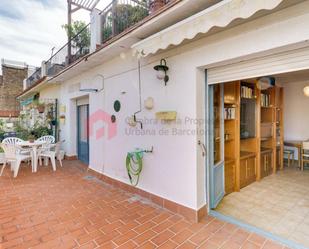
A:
(265, 100)
(246, 92)
(229, 113)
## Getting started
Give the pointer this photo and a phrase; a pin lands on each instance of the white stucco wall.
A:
(176, 169)
(50, 92)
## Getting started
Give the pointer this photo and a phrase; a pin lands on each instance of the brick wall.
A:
(11, 85)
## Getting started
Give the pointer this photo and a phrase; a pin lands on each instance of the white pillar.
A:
(95, 29)
(43, 69)
(25, 84)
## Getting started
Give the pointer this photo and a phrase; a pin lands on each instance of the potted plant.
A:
(41, 107)
(155, 5)
(31, 138)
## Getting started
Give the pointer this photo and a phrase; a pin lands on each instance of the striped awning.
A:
(218, 15)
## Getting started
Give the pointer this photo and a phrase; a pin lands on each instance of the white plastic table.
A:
(34, 148)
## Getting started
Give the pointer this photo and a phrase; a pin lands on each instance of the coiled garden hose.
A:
(134, 164)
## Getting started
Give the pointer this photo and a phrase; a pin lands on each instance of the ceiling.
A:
(298, 76)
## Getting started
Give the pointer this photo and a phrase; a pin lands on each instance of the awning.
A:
(27, 101)
(218, 15)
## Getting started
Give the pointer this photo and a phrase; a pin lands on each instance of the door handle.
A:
(203, 147)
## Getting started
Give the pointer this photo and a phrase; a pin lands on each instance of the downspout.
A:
(140, 95)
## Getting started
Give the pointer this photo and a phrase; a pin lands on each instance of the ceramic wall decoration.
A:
(131, 122)
(149, 103)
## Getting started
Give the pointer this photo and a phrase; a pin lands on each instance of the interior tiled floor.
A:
(69, 209)
(278, 203)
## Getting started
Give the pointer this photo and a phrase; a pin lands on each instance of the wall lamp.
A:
(91, 90)
(161, 71)
(306, 91)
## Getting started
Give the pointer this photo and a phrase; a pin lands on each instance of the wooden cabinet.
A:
(229, 175)
(247, 170)
(266, 165)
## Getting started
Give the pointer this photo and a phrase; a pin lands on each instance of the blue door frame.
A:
(83, 133)
(215, 172)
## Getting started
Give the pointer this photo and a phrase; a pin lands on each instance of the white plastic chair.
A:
(48, 141)
(12, 154)
(57, 148)
(15, 141)
(47, 154)
(12, 140)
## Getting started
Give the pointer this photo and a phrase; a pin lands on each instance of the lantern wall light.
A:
(162, 71)
(306, 91)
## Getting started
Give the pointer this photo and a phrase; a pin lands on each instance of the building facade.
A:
(11, 84)
(202, 45)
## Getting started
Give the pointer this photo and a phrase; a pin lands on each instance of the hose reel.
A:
(134, 164)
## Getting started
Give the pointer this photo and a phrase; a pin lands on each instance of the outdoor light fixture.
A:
(161, 71)
(92, 90)
(306, 91)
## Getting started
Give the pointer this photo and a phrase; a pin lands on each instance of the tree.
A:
(80, 35)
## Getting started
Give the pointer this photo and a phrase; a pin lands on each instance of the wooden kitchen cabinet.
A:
(247, 169)
(266, 165)
(229, 172)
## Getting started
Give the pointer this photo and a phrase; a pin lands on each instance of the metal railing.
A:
(120, 15)
(77, 47)
(33, 78)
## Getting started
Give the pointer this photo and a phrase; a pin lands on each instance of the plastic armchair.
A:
(15, 141)
(57, 148)
(13, 155)
(12, 140)
(47, 154)
(47, 139)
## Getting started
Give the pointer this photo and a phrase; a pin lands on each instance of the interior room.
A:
(260, 131)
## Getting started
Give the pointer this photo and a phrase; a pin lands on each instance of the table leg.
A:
(32, 160)
(35, 159)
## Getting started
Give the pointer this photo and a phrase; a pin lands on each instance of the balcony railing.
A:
(117, 17)
(34, 77)
(77, 47)
(122, 14)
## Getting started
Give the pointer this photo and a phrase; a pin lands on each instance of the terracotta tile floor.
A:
(278, 203)
(69, 209)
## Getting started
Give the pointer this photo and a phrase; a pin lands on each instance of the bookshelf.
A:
(253, 133)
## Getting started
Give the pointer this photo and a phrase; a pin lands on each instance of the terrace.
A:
(75, 209)
(115, 19)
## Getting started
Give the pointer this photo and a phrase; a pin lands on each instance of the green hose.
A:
(134, 164)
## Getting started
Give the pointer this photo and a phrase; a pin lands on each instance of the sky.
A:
(29, 29)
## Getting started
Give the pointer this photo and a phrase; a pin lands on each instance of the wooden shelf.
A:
(266, 150)
(246, 154)
(266, 138)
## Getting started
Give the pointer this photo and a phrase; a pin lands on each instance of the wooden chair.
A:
(305, 154)
(289, 153)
